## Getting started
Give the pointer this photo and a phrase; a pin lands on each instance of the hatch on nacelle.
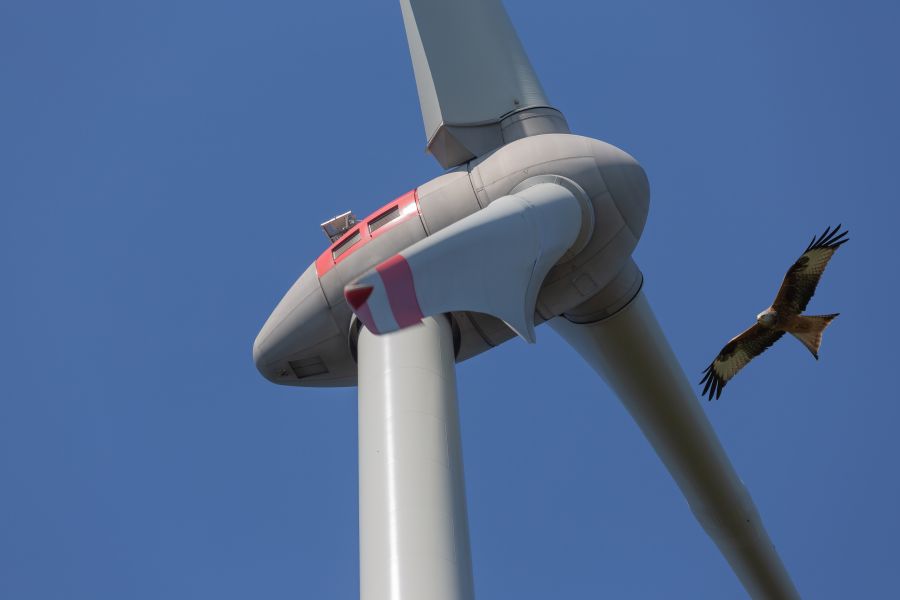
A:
(359, 232)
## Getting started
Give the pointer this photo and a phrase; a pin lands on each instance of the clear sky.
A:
(164, 167)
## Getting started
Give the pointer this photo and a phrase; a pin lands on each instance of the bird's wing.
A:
(800, 282)
(736, 353)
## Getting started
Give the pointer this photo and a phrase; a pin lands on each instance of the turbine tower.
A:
(529, 224)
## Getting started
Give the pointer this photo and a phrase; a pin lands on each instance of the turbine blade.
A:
(471, 71)
(630, 351)
(493, 261)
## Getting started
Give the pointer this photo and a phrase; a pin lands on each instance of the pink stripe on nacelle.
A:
(401, 290)
(365, 315)
(357, 297)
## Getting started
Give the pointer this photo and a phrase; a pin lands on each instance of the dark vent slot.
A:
(307, 367)
(345, 245)
(384, 218)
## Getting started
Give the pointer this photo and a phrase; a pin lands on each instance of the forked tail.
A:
(809, 330)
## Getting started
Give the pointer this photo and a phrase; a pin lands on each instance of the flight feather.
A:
(801, 279)
(735, 355)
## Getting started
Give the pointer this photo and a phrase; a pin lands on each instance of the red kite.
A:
(798, 287)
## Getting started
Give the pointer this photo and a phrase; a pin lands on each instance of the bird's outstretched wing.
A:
(801, 280)
(736, 353)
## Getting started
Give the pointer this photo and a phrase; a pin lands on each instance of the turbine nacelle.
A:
(468, 239)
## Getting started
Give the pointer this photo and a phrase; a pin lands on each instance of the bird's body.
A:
(783, 316)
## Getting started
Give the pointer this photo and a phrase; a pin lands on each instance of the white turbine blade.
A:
(493, 261)
(471, 71)
(630, 351)
(469, 64)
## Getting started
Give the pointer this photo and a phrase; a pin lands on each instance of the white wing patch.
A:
(817, 260)
(800, 281)
(727, 368)
(735, 355)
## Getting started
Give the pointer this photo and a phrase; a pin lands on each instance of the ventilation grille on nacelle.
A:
(345, 245)
(384, 218)
(307, 367)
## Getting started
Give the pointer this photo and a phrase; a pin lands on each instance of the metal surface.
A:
(502, 252)
(337, 226)
(471, 71)
(630, 352)
(615, 186)
(413, 526)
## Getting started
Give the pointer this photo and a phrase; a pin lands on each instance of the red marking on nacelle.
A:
(401, 290)
(365, 315)
(357, 294)
(407, 206)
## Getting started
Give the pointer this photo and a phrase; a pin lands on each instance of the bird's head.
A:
(767, 318)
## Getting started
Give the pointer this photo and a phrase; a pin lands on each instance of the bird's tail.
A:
(809, 330)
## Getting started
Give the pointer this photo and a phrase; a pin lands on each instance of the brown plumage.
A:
(782, 317)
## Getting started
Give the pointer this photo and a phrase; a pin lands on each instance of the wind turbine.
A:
(530, 223)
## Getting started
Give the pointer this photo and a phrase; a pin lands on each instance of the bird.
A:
(783, 316)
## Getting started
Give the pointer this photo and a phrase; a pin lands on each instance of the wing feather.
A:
(735, 355)
(801, 279)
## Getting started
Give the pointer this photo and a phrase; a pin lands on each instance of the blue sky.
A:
(164, 170)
